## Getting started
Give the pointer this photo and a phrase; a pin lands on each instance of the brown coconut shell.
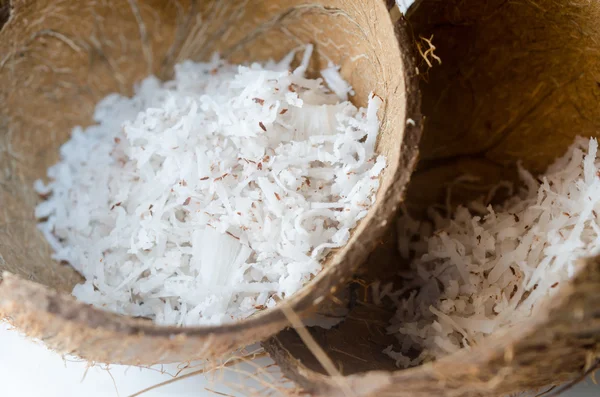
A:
(59, 57)
(518, 81)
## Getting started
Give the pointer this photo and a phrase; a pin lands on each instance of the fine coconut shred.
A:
(493, 268)
(204, 199)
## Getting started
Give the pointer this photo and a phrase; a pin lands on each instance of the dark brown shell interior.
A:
(59, 57)
(518, 81)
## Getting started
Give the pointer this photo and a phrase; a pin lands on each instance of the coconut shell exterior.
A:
(518, 81)
(59, 58)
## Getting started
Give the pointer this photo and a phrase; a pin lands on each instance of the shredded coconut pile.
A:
(204, 199)
(478, 274)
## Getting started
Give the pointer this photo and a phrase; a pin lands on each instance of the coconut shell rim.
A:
(501, 346)
(310, 295)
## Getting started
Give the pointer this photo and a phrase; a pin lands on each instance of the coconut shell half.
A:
(59, 58)
(518, 81)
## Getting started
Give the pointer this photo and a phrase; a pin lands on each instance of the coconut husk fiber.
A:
(518, 81)
(59, 57)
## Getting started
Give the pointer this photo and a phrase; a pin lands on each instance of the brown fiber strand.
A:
(316, 350)
(575, 382)
(227, 364)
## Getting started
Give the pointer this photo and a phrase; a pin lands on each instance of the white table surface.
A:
(29, 369)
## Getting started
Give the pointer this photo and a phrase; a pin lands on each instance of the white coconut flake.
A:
(479, 274)
(404, 5)
(336, 82)
(204, 199)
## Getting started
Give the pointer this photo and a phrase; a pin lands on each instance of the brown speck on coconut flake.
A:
(220, 189)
